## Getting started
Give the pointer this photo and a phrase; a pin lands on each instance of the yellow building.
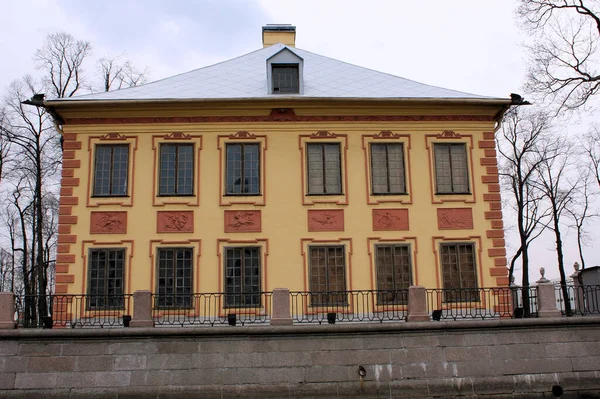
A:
(279, 168)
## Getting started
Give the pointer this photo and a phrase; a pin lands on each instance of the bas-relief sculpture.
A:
(108, 222)
(175, 222)
(455, 218)
(326, 220)
(390, 219)
(242, 221)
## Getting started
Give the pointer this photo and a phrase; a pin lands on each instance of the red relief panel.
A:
(326, 220)
(390, 219)
(175, 222)
(455, 218)
(108, 223)
(242, 221)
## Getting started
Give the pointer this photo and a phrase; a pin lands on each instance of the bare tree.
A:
(62, 58)
(564, 56)
(117, 73)
(35, 166)
(581, 212)
(559, 182)
(591, 146)
(521, 145)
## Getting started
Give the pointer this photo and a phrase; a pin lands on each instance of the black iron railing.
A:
(349, 306)
(583, 299)
(211, 309)
(471, 303)
(73, 311)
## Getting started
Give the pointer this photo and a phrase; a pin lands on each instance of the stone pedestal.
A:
(142, 310)
(417, 304)
(7, 310)
(546, 300)
(281, 315)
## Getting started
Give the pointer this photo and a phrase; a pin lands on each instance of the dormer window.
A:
(285, 78)
(284, 73)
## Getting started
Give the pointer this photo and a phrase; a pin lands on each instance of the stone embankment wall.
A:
(515, 358)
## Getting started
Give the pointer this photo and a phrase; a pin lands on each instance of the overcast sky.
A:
(466, 45)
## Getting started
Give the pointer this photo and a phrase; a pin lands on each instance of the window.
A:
(242, 277)
(106, 270)
(285, 79)
(174, 278)
(176, 169)
(324, 169)
(243, 169)
(451, 171)
(327, 275)
(110, 170)
(393, 273)
(459, 272)
(387, 169)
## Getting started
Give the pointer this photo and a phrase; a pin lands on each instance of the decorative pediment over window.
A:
(285, 73)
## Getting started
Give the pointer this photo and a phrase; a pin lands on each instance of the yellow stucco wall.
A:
(284, 234)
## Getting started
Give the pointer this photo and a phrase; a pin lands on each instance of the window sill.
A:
(389, 194)
(175, 195)
(323, 195)
(465, 193)
(109, 196)
(242, 195)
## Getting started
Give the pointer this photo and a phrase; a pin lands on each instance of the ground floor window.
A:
(393, 268)
(106, 278)
(459, 272)
(327, 275)
(242, 277)
(174, 282)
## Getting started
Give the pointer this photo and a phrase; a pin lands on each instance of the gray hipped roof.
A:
(245, 77)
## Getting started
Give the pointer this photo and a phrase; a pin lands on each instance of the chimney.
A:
(279, 33)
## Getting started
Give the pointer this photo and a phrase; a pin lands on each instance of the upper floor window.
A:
(174, 281)
(243, 169)
(459, 272)
(105, 285)
(387, 168)
(324, 168)
(451, 170)
(285, 79)
(110, 170)
(242, 277)
(393, 273)
(176, 169)
(328, 275)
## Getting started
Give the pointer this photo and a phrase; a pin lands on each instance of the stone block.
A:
(177, 347)
(359, 357)
(84, 349)
(299, 345)
(364, 389)
(7, 380)
(426, 370)
(398, 356)
(409, 389)
(424, 355)
(239, 360)
(252, 391)
(100, 363)
(536, 366)
(196, 377)
(14, 364)
(586, 363)
(281, 308)
(35, 380)
(39, 349)
(129, 362)
(7, 310)
(420, 341)
(448, 387)
(75, 380)
(112, 379)
(466, 353)
(93, 393)
(150, 378)
(315, 390)
(207, 360)
(275, 359)
(341, 342)
(326, 373)
(391, 341)
(169, 362)
(475, 368)
(8, 348)
(126, 348)
(570, 349)
(43, 364)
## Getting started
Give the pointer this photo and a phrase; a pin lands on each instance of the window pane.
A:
(234, 169)
(316, 179)
(110, 170)
(176, 169)
(443, 172)
(333, 175)
(105, 287)
(393, 273)
(387, 168)
(327, 276)
(459, 272)
(285, 79)
(242, 277)
(251, 169)
(395, 153)
(174, 277)
(460, 178)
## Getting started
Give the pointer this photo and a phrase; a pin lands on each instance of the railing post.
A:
(7, 310)
(578, 290)
(546, 300)
(417, 304)
(142, 310)
(281, 307)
